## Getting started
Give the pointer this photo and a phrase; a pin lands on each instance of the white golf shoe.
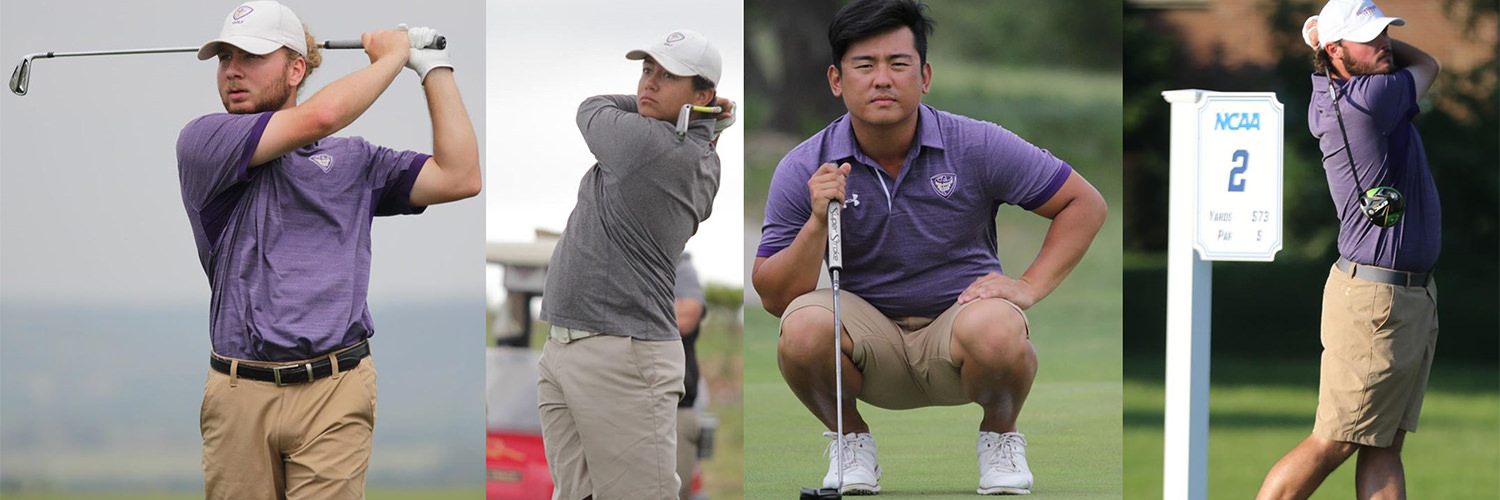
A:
(861, 472)
(1002, 464)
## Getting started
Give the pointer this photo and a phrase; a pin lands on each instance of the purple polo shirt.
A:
(912, 244)
(1378, 112)
(286, 245)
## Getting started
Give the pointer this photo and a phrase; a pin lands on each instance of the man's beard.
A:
(1373, 68)
(275, 96)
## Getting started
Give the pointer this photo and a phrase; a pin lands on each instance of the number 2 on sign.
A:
(1243, 157)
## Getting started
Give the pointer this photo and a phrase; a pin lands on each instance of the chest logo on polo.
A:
(853, 199)
(323, 161)
(943, 184)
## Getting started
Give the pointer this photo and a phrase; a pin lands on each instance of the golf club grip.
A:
(439, 44)
(835, 236)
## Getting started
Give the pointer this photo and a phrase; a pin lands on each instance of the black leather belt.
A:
(1382, 275)
(298, 373)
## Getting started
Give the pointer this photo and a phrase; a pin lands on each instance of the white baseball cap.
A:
(684, 53)
(1353, 20)
(259, 27)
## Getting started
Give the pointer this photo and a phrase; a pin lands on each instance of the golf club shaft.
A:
(687, 111)
(835, 264)
(440, 43)
(20, 78)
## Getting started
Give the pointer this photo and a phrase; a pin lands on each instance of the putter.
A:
(835, 264)
(687, 110)
(20, 78)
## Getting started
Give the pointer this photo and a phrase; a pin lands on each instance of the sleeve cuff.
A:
(767, 250)
(1051, 189)
(242, 167)
(397, 197)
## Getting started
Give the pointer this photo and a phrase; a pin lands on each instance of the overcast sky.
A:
(89, 200)
(547, 57)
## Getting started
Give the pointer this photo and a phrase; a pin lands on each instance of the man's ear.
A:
(296, 71)
(1330, 48)
(926, 77)
(704, 97)
(835, 81)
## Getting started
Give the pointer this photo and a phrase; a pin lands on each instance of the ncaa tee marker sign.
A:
(1224, 204)
(1239, 175)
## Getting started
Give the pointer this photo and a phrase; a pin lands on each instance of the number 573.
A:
(1243, 158)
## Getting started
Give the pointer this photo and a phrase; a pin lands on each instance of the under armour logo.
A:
(323, 161)
(853, 199)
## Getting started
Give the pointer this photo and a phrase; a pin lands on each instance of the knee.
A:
(806, 333)
(990, 330)
(1332, 452)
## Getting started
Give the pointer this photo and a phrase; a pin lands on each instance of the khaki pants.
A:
(687, 450)
(906, 362)
(303, 441)
(1378, 342)
(609, 416)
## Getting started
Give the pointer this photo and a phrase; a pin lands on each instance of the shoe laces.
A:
(1003, 451)
(851, 458)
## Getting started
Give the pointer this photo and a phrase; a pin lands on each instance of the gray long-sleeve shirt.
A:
(614, 267)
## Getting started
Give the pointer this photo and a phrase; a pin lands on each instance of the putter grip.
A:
(835, 236)
(439, 44)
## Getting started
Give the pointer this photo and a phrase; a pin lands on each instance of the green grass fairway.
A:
(1253, 421)
(1071, 419)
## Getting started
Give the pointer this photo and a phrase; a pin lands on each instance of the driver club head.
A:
(20, 79)
(1383, 205)
(820, 493)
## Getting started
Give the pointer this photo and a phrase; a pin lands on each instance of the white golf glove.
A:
(1310, 32)
(423, 60)
(734, 112)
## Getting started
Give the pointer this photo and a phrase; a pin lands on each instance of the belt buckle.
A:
(276, 372)
(568, 335)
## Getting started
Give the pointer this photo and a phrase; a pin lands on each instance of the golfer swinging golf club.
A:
(281, 213)
(1379, 325)
(928, 317)
(611, 373)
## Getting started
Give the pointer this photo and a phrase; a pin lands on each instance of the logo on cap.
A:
(243, 11)
(674, 38)
(1368, 10)
(943, 183)
(324, 161)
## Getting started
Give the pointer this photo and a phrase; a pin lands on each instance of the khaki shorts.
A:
(906, 362)
(609, 416)
(1378, 342)
(301, 441)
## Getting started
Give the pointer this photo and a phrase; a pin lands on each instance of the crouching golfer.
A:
(929, 319)
(612, 371)
(1379, 325)
(281, 214)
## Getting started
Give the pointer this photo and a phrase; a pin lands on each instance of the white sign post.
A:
(1224, 204)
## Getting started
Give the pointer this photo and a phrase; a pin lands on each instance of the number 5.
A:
(1243, 157)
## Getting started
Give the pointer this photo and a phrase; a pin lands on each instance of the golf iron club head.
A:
(20, 79)
(820, 493)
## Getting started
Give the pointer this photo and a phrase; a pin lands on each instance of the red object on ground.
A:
(515, 467)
